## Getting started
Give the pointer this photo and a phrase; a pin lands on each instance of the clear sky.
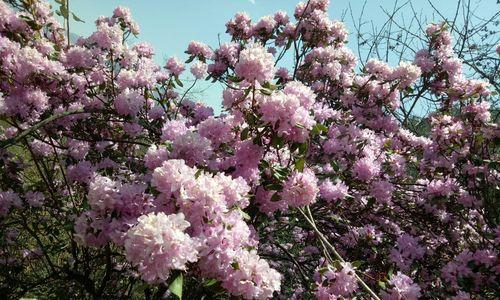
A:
(169, 25)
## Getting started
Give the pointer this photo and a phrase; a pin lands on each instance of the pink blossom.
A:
(402, 288)
(366, 168)
(200, 49)
(175, 66)
(251, 277)
(81, 172)
(217, 130)
(240, 26)
(103, 193)
(158, 244)
(173, 129)
(382, 191)
(332, 282)
(78, 149)
(265, 25)
(199, 69)
(129, 102)
(333, 192)
(170, 177)
(286, 110)
(191, 147)
(255, 64)
(300, 188)
(79, 57)
(35, 199)
(408, 250)
(8, 199)
(155, 157)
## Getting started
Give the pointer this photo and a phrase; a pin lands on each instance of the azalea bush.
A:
(115, 184)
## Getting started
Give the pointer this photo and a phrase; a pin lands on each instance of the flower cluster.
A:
(158, 244)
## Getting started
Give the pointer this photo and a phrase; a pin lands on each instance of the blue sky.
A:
(169, 25)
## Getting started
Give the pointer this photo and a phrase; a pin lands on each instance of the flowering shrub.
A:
(114, 184)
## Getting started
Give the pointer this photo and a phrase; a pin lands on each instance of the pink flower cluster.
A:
(402, 288)
(209, 203)
(158, 244)
(288, 111)
(300, 189)
(255, 63)
(333, 282)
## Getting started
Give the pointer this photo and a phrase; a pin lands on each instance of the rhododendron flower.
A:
(333, 192)
(300, 189)
(8, 200)
(332, 282)
(286, 112)
(155, 157)
(173, 129)
(79, 57)
(158, 244)
(402, 288)
(200, 49)
(255, 64)
(129, 102)
(175, 66)
(191, 147)
(382, 191)
(103, 193)
(366, 168)
(199, 69)
(251, 277)
(170, 177)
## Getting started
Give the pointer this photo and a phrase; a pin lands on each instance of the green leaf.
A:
(64, 11)
(277, 141)
(381, 284)
(269, 86)
(244, 134)
(319, 128)
(335, 166)
(210, 282)
(190, 59)
(278, 176)
(337, 265)
(234, 79)
(274, 187)
(294, 147)
(299, 164)
(275, 197)
(176, 286)
(178, 81)
(391, 271)
(357, 263)
(303, 148)
(257, 141)
(77, 18)
(263, 165)
(245, 215)
(266, 92)
(247, 91)
(409, 90)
